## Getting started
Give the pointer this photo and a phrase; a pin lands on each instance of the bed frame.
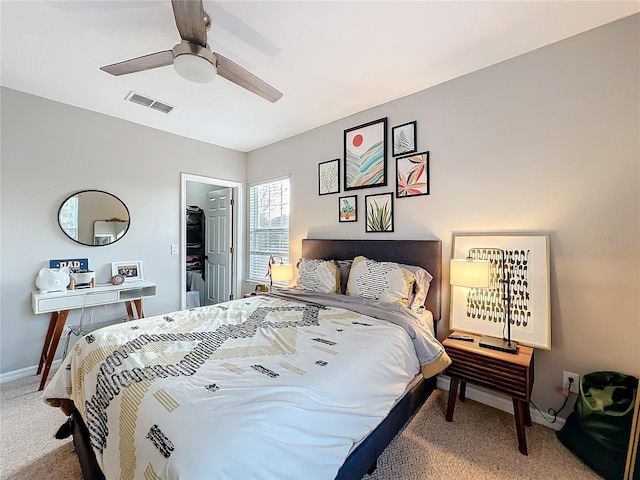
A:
(424, 253)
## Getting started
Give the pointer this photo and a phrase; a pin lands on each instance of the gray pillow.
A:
(345, 267)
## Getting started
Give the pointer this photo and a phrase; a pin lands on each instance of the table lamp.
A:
(280, 272)
(471, 273)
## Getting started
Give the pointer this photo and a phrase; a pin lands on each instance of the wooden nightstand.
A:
(508, 373)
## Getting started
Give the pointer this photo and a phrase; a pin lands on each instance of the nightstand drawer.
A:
(492, 373)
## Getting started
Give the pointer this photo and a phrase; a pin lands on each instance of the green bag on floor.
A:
(599, 427)
(605, 407)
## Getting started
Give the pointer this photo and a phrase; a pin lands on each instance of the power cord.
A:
(553, 412)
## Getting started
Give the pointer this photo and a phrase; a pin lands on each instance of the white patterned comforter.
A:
(252, 388)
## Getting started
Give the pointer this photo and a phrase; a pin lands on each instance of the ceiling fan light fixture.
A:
(192, 57)
(194, 63)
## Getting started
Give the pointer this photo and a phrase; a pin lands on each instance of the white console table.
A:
(59, 304)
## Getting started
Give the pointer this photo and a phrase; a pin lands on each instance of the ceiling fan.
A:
(192, 58)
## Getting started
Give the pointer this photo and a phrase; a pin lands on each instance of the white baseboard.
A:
(26, 372)
(501, 402)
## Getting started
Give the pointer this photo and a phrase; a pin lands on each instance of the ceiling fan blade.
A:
(189, 16)
(139, 64)
(238, 75)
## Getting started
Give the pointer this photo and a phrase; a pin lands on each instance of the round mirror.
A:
(94, 218)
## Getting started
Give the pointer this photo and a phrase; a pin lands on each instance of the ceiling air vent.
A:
(162, 107)
(149, 102)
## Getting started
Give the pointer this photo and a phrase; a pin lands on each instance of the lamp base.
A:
(498, 344)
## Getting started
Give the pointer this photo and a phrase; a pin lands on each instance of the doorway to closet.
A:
(210, 252)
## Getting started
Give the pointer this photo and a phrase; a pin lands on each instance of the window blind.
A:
(268, 226)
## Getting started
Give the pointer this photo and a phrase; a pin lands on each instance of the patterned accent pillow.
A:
(421, 287)
(322, 276)
(384, 281)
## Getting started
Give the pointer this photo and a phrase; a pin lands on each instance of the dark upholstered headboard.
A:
(423, 253)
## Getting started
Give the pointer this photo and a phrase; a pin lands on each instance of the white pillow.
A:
(384, 281)
(322, 276)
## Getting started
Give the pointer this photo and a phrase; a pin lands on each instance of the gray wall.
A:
(545, 142)
(50, 150)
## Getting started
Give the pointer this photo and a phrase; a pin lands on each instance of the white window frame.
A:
(255, 273)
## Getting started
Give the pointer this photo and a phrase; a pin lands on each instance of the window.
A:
(268, 226)
(68, 217)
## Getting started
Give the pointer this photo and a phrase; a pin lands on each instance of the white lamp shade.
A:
(281, 272)
(194, 68)
(469, 273)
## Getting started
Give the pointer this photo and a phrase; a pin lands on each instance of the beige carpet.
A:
(479, 444)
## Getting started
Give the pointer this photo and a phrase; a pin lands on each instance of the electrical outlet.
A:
(575, 385)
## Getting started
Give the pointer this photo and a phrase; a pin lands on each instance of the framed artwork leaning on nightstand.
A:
(522, 260)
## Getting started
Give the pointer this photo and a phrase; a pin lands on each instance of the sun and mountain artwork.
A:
(412, 175)
(365, 155)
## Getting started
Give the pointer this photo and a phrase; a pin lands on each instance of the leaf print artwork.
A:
(329, 177)
(412, 175)
(379, 213)
(404, 138)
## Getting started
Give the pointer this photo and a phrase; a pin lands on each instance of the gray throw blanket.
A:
(428, 348)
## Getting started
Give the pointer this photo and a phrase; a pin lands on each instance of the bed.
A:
(129, 419)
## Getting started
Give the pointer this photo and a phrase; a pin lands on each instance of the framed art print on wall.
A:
(348, 209)
(365, 155)
(329, 177)
(404, 138)
(526, 265)
(412, 175)
(379, 212)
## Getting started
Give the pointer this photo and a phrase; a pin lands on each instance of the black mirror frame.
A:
(96, 191)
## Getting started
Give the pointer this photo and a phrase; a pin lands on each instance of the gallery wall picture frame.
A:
(365, 155)
(131, 271)
(379, 212)
(412, 175)
(348, 209)
(329, 177)
(483, 310)
(404, 138)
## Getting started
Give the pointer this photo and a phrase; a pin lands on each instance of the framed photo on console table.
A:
(131, 271)
(522, 258)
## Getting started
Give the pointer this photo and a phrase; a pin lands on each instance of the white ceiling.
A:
(330, 58)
